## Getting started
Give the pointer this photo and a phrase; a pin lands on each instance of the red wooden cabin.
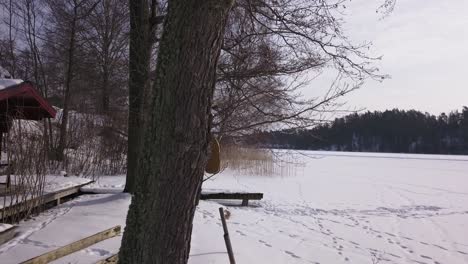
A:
(20, 100)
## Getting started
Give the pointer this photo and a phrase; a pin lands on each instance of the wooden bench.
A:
(245, 197)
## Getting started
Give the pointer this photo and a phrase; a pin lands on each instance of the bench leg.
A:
(245, 202)
(8, 182)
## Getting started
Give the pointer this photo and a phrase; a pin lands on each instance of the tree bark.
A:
(139, 65)
(67, 88)
(172, 161)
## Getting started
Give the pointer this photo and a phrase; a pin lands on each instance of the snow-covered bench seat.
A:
(244, 196)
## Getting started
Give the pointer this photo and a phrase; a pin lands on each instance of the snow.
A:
(4, 227)
(67, 223)
(5, 83)
(106, 184)
(4, 74)
(336, 208)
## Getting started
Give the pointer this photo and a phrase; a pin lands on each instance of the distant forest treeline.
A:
(394, 130)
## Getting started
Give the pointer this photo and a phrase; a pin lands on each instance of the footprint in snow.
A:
(240, 233)
(97, 252)
(264, 243)
(426, 257)
(393, 255)
(292, 254)
(440, 247)
(461, 252)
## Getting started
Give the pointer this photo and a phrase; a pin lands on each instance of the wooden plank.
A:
(74, 247)
(110, 260)
(232, 196)
(46, 198)
(7, 235)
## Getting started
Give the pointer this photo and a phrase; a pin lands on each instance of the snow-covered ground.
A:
(336, 208)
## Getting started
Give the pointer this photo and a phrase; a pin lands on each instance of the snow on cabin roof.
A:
(5, 83)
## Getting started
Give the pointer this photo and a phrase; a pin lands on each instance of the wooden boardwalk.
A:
(7, 234)
(48, 198)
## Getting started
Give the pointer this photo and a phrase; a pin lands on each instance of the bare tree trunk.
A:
(105, 101)
(10, 40)
(139, 66)
(159, 222)
(106, 43)
(67, 95)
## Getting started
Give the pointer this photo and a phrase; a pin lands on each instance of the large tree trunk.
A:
(171, 165)
(139, 61)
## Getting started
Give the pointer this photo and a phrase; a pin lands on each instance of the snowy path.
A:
(336, 209)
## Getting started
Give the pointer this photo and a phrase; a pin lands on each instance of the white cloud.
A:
(425, 49)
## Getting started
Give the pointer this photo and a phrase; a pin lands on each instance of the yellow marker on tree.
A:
(214, 162)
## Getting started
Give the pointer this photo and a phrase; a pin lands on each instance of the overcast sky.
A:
(424, 44)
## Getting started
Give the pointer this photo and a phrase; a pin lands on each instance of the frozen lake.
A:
(332, 207)
(353, 208)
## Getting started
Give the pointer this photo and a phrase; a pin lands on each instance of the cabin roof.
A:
(20, 100)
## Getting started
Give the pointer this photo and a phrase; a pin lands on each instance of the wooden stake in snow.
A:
(75, 246)
(226, 237)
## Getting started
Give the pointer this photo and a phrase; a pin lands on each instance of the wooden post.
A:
(8, 180)
(245, 202)
(227, 240)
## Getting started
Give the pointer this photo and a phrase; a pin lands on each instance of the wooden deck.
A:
(48, 198)
(8, 234)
